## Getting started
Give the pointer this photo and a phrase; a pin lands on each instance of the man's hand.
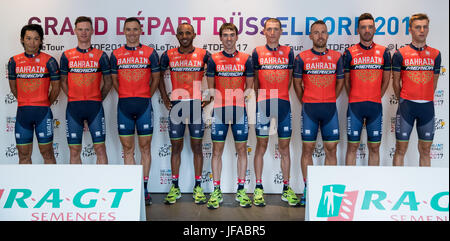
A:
(167, 103)
(207, 102)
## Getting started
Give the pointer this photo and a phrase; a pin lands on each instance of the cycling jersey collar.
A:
(416, 48)
(319, 53)
(273, 49)
(190, 52)
(133, 48)
(230, 55)
(366, 47)
(32, 55)
(84, 50)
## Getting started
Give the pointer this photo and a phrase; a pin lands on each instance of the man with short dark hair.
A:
(367, 68)
(34, 81)
(318, 81)
(416, 72)
(230, 78)
(273, 75)
(135, 75)
(186, 65)
(86, 80)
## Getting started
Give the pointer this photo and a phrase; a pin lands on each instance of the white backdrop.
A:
(160, 19)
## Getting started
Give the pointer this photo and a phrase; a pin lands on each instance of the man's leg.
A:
(47, 153)
(288, 194)
(197, 149)
(306, 158)
(424, 151)
(330, 153)
(241, 149)
(175, 158)
(128, 149)
(374, 153)
(284, 149)
(175, 161)
(216, 162)
(25, 152)
(100, 151)
(75, 151)
(400, 150)
(261, 147)
(350, 156)
(144, 147)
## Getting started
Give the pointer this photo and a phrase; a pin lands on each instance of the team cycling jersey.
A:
(33, 74)
(319, 72)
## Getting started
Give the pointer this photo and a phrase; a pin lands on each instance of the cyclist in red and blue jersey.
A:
(86, 80)
(34, 81)
(273, 65)
(367, 68)
(230, 77)
(318, 81)
(416, 70)
(135, 74)
(187, 66)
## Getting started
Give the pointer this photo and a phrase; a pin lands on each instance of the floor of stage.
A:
(186, 210)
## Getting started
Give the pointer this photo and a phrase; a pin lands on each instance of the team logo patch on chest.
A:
(368, 75)
(30, 85)
(82, 79)
(230, 82)
(275, 76)
(132, 75)
(420, 77)
(321, 81)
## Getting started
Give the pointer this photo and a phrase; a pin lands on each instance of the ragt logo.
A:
(24, 198)
(57, 205)
(336, 204)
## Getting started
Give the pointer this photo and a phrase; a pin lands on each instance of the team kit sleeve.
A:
(164, 63)
(206, 57)
(437, 64)
(154, 62)
(298, 67)
(53, 68)
(397, 61)
(255, 60)
(291, 58)
(105, 66)
(113, 63)
(249, 71)
(211, 70)
(12, 69)
(387, 60)
(340, 68)
(64, 64)
(348, 61)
